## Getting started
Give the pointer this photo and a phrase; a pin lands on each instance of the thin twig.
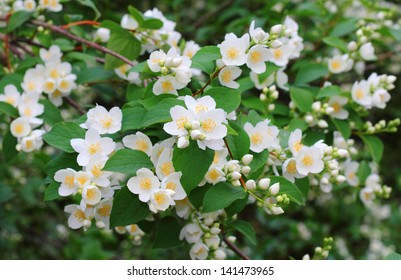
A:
(235, 249)
(82, 22)
(208, 83)
(7, 47)
(74, 104)
(67, 34)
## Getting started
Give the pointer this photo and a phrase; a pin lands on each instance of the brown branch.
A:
(82, 22)
(7, 47)
(208, 83)
(74, 104)
(236, 249)
(67, 34)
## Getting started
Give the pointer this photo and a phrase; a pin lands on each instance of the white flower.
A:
(82, 179)
(261, 84)
(380, 98)
(94, 169)
(156, 59)
(262, 136)
(164, 165)
(161, 199)
(361, 93)
(173, 38)
(290, 171)
(191, 48)
(66, 84)
(214, 175)
(103, 34)
(181, 119)
(20, 127)
(129, 22)
(51, 5)
(11, 95)
(138, 141)
(29, 107)
(33, 80)
(53, 54)
(132, 77)
(91, 195)
(367, 51)
(211, 124)
(199, 251)
(134, 230)
(281, 55)
(258, 35)
(167, 84)
(309, 160)
(78, 215)
(67, 179)
(104, 121)
(233, 49)
(295, 141)
(29, 5)
(367, 195)
(103, 211)
(92, 145)
(158, 148)
(256, 57)
(172, 182)
(192, 233)
(337, 103)
(143, 184)
(183, 208)
(228, 74)
(220, 157)
(351, 173)
(32, 142)
(291, 25)
(200, 105)
(340, 63)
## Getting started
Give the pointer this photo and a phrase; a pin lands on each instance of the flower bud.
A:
(276, 44)
(324, 181)
(236, 183)
(195, 125)
(250, 184)
(232, 238)
(264, 183)
(342, 153)
(103, 34)
(219, 255)
(247, 159)
(277, 210)
(169, 62)
(391, 79)
(87, 224)
(276, 29)
(316, 106)
(352, 46)
(100, 224)
(309, 119)
(329, 110)
(262, 97)
(322, 124)
(274, 189)
(274, 94)
(196, 134)
(245, 170)
(182, 143)
(341, 179)
(271, 107)
(177, 61)
(235, 176)
(328, 150)
(215, 230)
(208, 221)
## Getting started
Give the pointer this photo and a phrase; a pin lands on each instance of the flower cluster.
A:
(200, 121)
(32, 5)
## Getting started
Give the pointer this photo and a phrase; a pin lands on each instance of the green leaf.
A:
(254, 118)
(374, 145)
(9, 144)
(237, 206)
(292, 191)
(8, 109)
(337, 43)
(136, 14)
(122, 42)
(93, 74)
(128, 161)
(193, 162)
(259, 159)
(206, 54)
(345, 27)
(62, 133)
(6, 193)
(328, 92)
(239, 145)
(396, 34)
(197, 194)
(246, 229)
(90, 4)
(17, 19)
(51, 192)
(343, 127)
(51, 115)
(270, 69)
(302, 98)
(311, 72)
(152, 23)
(220, 196)
(227, 99)
(393, 256)
(127, 209)
(14, 79)
(252, 102)
(231, 131)
(167, 233)
(133, 118)
(62, 161)
(160, 113)
(297, 123)
(304, 186)
(363, 171)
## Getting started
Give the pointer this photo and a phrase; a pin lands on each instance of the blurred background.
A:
(33, 229)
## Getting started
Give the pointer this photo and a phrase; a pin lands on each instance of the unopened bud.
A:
(342, 153)
(245, 170)
(264, 183)
(236, 183)
(341, 179)
(196, 134)
(274, 189)
(276, 44)
(247, 159)
(182, 143)
(276, 29)
(322, 124)
(316, 106)
(235, 176)
(309, 119)
(262, 97)
(219, 255)
(271, 107)
(277, 210)
(352, 46)
(195, 125)
(250, 184)
(100, 224)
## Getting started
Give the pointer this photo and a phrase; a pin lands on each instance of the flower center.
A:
(307, 160)
(142, 145)
(167, 168)
(208, 125)
(336, 106)
(160, 198)
(291, 167)
(213, 175)
(167, 86)
(227, 76)
(256, 56)
(335, 65)
(106, 122)
(256, 138)
(69, 181)
(171, 186)
(79, 215)
(94, 148)
(96, 170)
(145, 184)
(278, 53)
(105, 210)
(181, 122)
(232, 53)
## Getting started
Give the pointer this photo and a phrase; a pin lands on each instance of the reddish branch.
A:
(208, 83)
(235, 249)
(82, 22)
